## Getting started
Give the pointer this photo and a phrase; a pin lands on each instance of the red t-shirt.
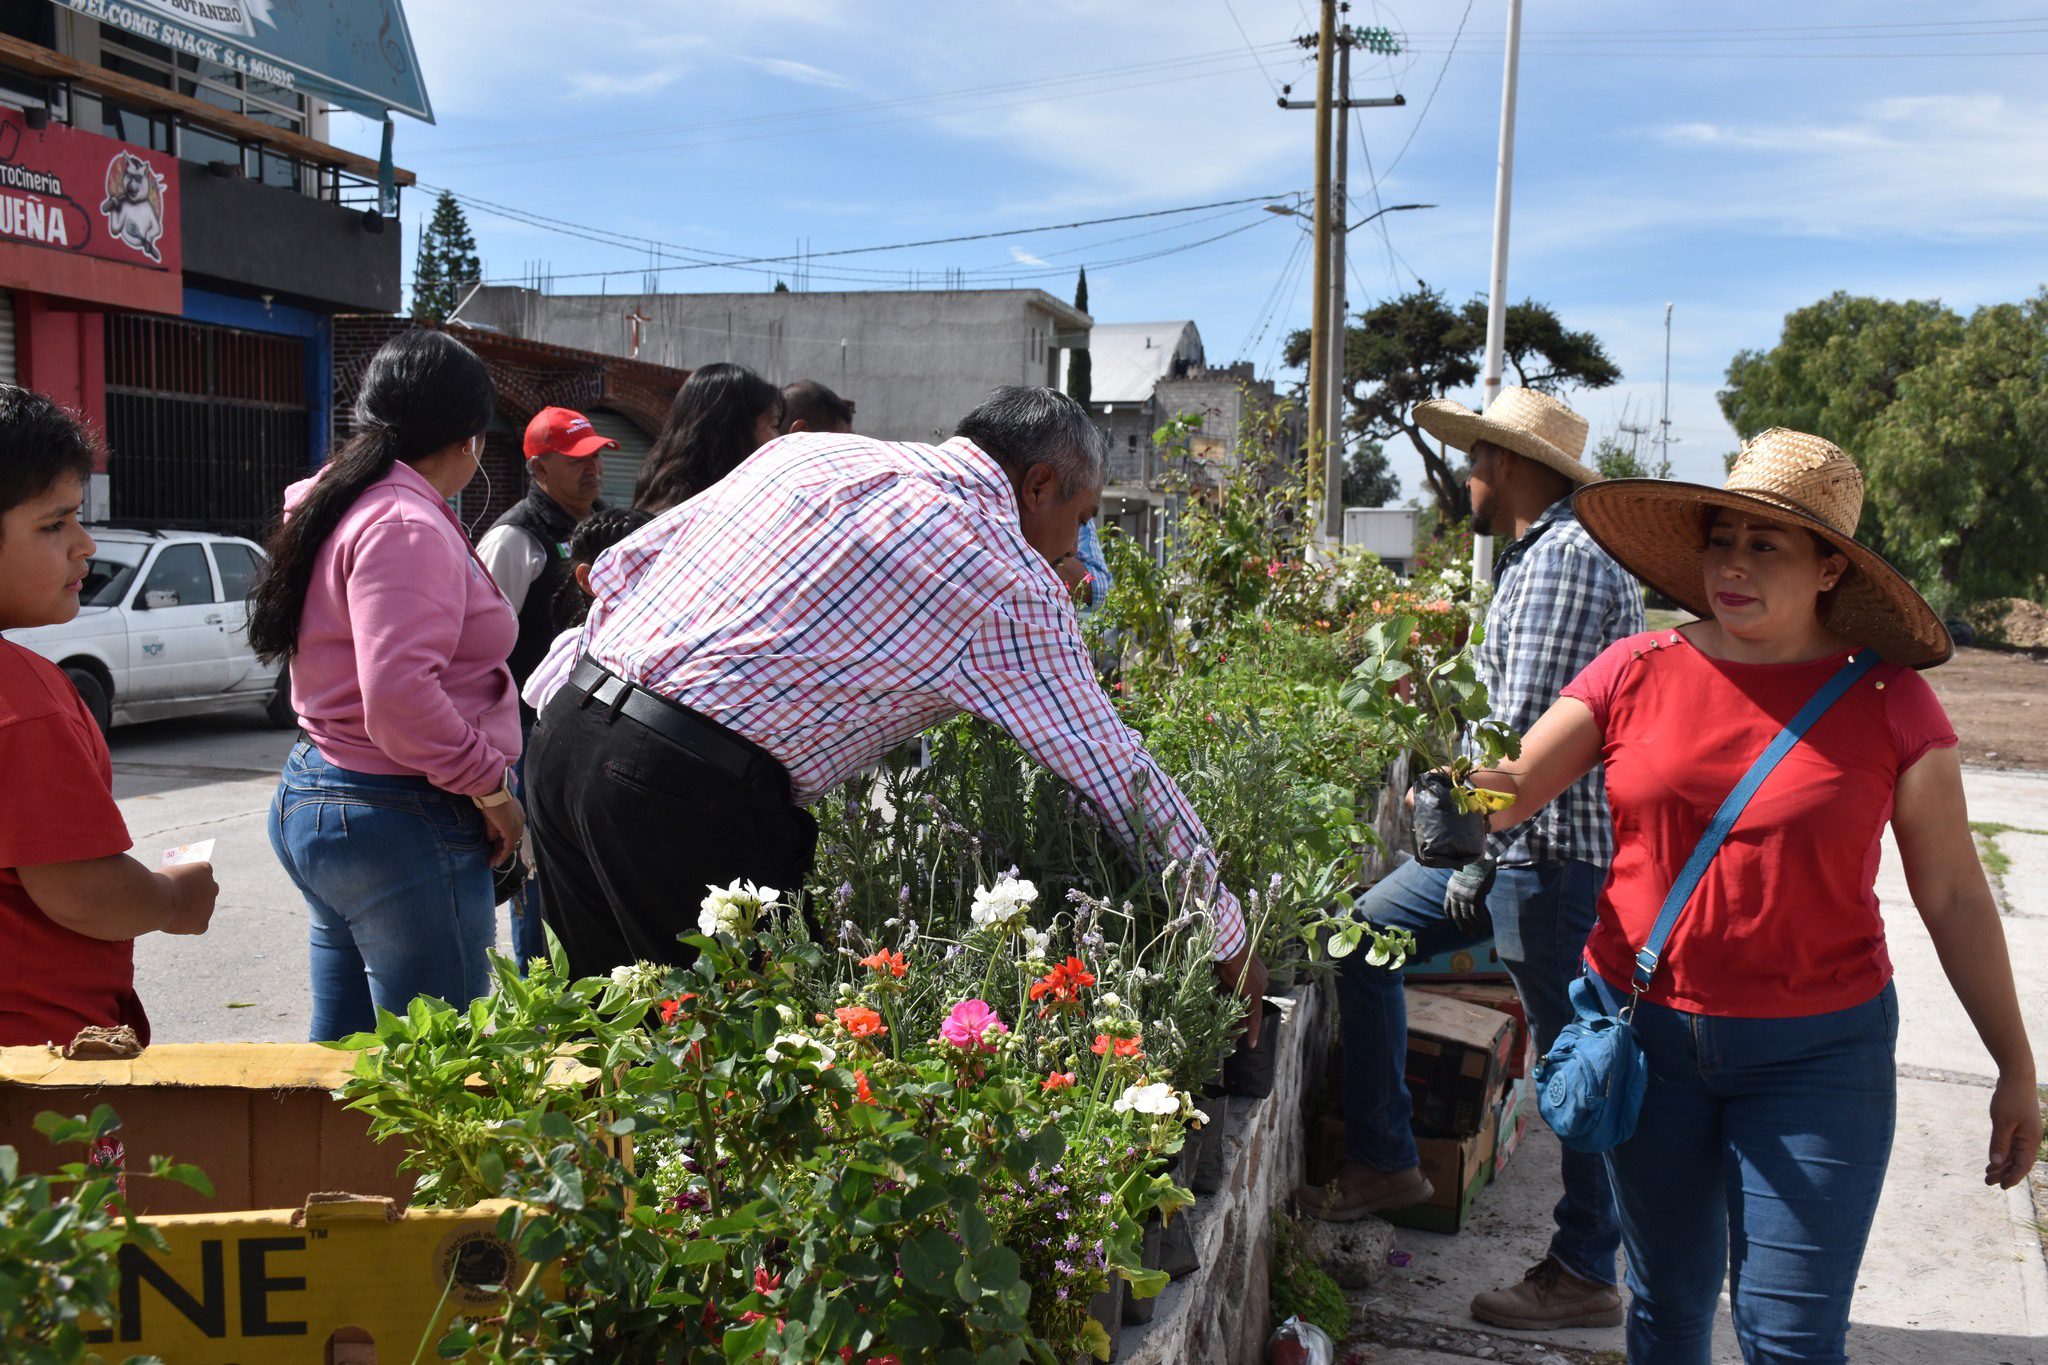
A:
(1786, 921)
(56, 806)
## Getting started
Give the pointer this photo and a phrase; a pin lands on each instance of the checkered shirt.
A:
(1559, 601)
(836, 595)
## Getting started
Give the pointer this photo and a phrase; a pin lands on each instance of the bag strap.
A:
(1731, 810)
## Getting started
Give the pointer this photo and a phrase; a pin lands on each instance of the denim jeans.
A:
(1541, 917)
(1759, 1155)
(397, 875)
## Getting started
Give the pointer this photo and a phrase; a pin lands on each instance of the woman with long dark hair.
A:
(722, 414)
(397, 802)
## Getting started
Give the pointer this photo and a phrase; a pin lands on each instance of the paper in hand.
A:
(201, 852)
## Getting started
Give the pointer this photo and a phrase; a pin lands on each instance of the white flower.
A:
(1035, 942)
(787, 1014)
(1157, 1098)
(801, 1047)
(642, 978)
(1196, 1117)
(1003, 905)
(1110, 1000)
(733, 909)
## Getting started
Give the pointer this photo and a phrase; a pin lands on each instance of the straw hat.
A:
(1656, 529)
(1518, 419)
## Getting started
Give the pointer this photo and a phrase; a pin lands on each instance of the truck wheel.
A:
(94, 694)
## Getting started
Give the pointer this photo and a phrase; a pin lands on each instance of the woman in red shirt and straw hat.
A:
(1769, 1023)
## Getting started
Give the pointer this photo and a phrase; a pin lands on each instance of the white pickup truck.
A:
(162, 630)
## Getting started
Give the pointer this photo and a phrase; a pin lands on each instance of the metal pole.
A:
(1333, 429)
(1318, 360)
(1497, 300)
(1664, 421)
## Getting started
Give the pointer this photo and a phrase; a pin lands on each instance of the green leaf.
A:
(929, 1260)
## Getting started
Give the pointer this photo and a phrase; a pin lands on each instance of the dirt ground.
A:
(1998, 702)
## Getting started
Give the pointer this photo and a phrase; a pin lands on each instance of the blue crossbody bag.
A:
(1589, 1086)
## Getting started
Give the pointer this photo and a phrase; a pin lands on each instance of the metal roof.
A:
(1129, 358)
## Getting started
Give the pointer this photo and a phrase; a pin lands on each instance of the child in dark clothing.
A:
(72, 901)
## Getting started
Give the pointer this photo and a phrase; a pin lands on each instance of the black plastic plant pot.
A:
(1444, 835)
(1135, 1308)
(1177, 1255)
(1249, 1070)
(1211, 1142)
(1107, 1309)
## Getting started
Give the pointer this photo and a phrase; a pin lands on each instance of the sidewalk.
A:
(1955, 1274)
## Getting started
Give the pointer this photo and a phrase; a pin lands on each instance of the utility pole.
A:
(1664, 422)
(1327, 327)
(1497, 298)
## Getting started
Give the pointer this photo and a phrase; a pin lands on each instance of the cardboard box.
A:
(1508, 1001)
(1457, 1168)
(1457, 1062)
(268, 1270)
(1480, 962)
(1511, 1121)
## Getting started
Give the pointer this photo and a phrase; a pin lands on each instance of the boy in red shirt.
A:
(72, 901)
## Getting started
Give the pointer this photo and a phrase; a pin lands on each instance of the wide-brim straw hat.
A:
(1522, 420)
(1657, 530)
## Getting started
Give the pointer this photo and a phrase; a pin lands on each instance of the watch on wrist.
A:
(497, 798)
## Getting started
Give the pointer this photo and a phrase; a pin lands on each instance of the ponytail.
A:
(597, 534)
(423, 392)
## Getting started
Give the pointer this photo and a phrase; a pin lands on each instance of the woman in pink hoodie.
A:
(396, 803)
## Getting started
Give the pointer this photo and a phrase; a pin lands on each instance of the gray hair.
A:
(1019, 426)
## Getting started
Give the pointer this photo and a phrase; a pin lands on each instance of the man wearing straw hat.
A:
(1559, 602)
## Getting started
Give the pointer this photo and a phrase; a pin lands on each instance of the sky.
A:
(1717, 158)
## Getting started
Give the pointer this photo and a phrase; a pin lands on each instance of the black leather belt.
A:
(592, 684)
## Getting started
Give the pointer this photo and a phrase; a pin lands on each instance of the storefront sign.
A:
(87, 195)
(355, 53)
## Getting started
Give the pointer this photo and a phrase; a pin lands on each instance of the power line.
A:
(1416, 126)
(1256, 332)
(1249, 48)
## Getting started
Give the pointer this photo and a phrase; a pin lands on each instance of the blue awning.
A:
(354, 53)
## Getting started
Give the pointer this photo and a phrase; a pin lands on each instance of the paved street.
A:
(212, 778)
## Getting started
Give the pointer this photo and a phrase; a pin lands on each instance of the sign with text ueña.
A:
(355, 53)
(87, 195)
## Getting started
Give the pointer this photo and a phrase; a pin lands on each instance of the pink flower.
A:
(972, 1025)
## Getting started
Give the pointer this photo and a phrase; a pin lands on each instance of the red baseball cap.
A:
(564, 431)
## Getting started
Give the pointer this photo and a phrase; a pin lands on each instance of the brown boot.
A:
(1550, 1296)
(1359, 1190)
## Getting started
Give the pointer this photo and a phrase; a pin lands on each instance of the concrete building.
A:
(913, 362)
(176, 236)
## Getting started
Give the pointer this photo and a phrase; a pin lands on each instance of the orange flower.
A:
(885, 963)
(1064, 982)
(860, 1021)
(1058, 1080)
(1123, 1047)
(860, 1088)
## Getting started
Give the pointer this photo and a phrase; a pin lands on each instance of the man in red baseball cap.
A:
(527, 552)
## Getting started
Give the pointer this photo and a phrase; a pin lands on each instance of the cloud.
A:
(801, 72)
(1023, 257)
(610, 83)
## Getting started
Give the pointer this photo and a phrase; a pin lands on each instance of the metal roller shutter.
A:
(621, 466)
(7, 336)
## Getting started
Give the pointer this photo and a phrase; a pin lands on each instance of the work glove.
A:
(1465, 899)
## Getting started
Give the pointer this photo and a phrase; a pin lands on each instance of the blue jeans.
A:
(1541, 917)
(397, 875)
(1759, 1155)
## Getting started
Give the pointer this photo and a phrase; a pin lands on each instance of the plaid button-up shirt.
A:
(1559, 600)
(835, 595)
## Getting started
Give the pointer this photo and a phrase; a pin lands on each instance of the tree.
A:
(1369, 478)
(1418, 346)
(448, 267)
(1953, 468)
(1617, 461)
(1080, 367)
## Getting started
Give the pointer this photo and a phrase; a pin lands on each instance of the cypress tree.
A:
(1080, 367)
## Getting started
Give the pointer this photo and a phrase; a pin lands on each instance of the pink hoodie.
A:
(400, 668)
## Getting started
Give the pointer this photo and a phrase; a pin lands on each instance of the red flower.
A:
(764, 1283)
(1064, 982)
(860, 1088)
(885, 963)
(860, 1021)
(671, 1008)
(1058, 1080)
(1123, 1047)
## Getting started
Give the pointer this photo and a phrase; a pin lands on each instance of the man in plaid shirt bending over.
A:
(1559, 602)
(779, 633)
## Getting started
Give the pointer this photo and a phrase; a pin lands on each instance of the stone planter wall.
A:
(1219, 1312)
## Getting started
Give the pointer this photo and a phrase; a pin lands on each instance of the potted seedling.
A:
(1428, 697)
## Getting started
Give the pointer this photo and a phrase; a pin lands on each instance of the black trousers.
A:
(629, 829)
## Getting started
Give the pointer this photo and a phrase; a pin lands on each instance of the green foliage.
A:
(1616, 461)
(60, 1236)
(1945, 415)
(1369, 478)
(1081, 365)
(1303, 1289)
(1418, 346)
(1425, 692)
(447, 266)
